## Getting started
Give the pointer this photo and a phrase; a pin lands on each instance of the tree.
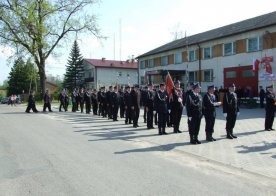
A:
(36, 28)
(73, 77)
(23, 76)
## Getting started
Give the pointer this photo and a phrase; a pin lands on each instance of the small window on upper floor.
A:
(207, 53)
(192, 56)
(151, 63)
(142, 64)
(229, 48)
(178, 58)
(254, 44)
(164, 60)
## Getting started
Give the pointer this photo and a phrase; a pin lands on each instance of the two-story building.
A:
(219, 56)
(102, 72)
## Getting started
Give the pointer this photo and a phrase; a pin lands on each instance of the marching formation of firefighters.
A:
(162, 107)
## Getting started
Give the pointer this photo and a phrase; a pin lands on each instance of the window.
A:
(207, 75)
(164, 60)
(248, 73)
(119, 74)
(229, 48)
(192, 56)
(142, 64)
(207, 53)
(254, 44)
(150, 63)
(231, 74)
(177, 58)
(142, 79)
(192, 76)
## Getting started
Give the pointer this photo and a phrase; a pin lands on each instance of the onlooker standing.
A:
(270, 108)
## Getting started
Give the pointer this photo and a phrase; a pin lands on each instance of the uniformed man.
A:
(122, 104)
(127, 101)
(87, 100)
(209, 111)
(161, 108)
(81, 98)
(194, 113)
(177, 105)
(108, 102)
(47, 101)
(61, 99)
(269, 108)
(149, 105)
(115, 102)
(144, 93)
(74, 100)
(188, 92)
(103, 102)
(94, 100)
(135, 104)
(230, 110)
(31, 103)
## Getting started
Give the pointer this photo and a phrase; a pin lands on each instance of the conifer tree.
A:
(73, 77)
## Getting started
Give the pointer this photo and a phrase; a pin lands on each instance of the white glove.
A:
(179, 99)
(225, 115)
(169, 111)
(189, 118)
(238, 113)
(154, 112)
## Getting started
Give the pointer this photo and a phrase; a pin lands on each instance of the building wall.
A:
(218, 62)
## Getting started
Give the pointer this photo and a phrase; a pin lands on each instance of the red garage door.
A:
(243, 77)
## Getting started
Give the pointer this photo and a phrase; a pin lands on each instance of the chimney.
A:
(103, 59)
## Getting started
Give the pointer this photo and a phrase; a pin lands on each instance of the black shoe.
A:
(197, 141)
(233, 136)
(126, 123)
(209, 139)
(178, 131)
(152, 127)
(165, 133)
(229, 136)
(27, 111)
(272, 129)
(193, 142)
(214, 139)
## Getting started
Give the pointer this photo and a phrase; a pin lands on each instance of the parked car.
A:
(5, 100)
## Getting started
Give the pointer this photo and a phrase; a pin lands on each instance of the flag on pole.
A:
(169, 84)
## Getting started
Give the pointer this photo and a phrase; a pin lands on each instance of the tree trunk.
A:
(42, 76)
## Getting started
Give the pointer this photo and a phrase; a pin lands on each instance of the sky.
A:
(135, 27)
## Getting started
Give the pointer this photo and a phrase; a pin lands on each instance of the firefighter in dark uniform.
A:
(156, 88)
(31, 103)
(61, 99)
(187, 93)
(103, 102)
(74, 100)
(122, 104)
(127, 101)
(194, 112)
(161, 108)
(47, 101)
(230, 110)
(81, 99)
(144, 93)
(94, 100)
(149, 105)
(135, 104)
(209, 111)
(87, 99)
(108, 102)
(177, 105)
(115, 103)
(269, 108)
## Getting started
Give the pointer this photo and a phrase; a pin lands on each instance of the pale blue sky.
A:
(147, 24)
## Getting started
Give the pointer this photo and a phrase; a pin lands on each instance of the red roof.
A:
(112, 63)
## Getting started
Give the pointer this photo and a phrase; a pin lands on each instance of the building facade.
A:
(219, 56)
(102, 72)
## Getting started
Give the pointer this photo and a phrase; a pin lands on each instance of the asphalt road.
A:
(62, 154)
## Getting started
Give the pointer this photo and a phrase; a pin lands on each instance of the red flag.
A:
(169, 84)
(256, 64)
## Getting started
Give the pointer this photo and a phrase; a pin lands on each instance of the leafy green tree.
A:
(21, 76)
(73, 77)
(35, 28)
